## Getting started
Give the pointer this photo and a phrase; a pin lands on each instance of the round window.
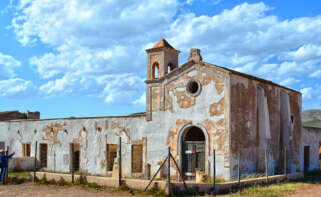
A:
(193, 87)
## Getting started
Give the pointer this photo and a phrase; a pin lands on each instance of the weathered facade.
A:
(193, 108)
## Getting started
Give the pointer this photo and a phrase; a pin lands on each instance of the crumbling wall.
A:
(208, 109)
(312, 137)
(264, 117)
(91, 133)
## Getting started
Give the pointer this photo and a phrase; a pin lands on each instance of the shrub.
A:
(124, 187)
(43, 181)
(62, 182)
(52, 182)
(82, 180)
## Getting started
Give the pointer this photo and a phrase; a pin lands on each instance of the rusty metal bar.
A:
(239, 171)
(35, 164)
(214, 171)
(285, 163)
(72, 162)
(156, 174)
(179, 171)
(169, 172)
(7, 169)
(120, 164)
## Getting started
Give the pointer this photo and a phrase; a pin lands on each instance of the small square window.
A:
(26, 150)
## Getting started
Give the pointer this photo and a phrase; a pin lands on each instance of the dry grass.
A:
(274, 190)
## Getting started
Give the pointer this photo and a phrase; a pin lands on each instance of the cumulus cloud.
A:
(10, 84)
(8, 65)
(141, 100)
(248, 39)
(97, 46)
(16, 87)
(306, 93)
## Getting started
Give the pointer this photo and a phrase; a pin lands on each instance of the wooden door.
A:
(137, 158)
(43, 155)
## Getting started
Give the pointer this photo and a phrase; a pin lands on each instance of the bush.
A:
(62, 182)
(43, 181)
(124, 187)
(155, 191)
(82, 180)
(52, 182)
(207, 179)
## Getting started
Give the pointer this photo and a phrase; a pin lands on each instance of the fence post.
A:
(120, 164)
(214, 171)
(169, 171)
(7, 160)
(266, 166)
(35, 164)
(285, 163)
(72, 162)
(239, 170)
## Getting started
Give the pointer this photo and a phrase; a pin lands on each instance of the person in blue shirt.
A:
(4, 164)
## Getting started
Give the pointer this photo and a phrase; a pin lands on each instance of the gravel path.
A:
(30, 190)
(309, 191)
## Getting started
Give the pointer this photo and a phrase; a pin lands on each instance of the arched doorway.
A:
(193, 145)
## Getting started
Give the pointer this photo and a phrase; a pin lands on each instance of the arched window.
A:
(155, 70)
(170, 67)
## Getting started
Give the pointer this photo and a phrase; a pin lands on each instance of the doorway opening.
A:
(43, 155)
(193, 151)
(306, 159)
(76, 157)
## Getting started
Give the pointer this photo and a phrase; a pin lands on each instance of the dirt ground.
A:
(309, 191)
(28, 189)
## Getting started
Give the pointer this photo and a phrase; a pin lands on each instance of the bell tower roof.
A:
(162, 43)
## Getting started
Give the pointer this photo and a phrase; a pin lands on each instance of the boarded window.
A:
(137, 158)
(111, 155)
(43, 155)
(2, 145)
(76, 157)
(26, 150)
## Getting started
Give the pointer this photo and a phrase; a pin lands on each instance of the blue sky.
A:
(87, 58)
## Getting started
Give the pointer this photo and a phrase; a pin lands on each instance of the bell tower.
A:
(161, 59)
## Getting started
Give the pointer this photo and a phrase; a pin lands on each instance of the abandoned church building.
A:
(193, 108)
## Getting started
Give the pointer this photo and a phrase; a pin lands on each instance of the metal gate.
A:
(193, 158)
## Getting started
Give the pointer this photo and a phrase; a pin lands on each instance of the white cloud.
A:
(317, 73)
(8, 65)
(97, 47)
(16, 87)
(141, 100)
(289, 81)
(306, 92)
(248, 39)
(305, 52)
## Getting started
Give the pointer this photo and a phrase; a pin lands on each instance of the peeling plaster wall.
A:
(312, 137)
(236, 114)
(173, 108)
(261, 120)
(209, 110)
(92, 134)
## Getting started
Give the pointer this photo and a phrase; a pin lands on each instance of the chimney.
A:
(195, 55)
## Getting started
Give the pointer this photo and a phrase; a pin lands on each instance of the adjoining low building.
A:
(193, 108)
(16, 115)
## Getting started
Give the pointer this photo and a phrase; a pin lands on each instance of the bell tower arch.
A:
(161, 59)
